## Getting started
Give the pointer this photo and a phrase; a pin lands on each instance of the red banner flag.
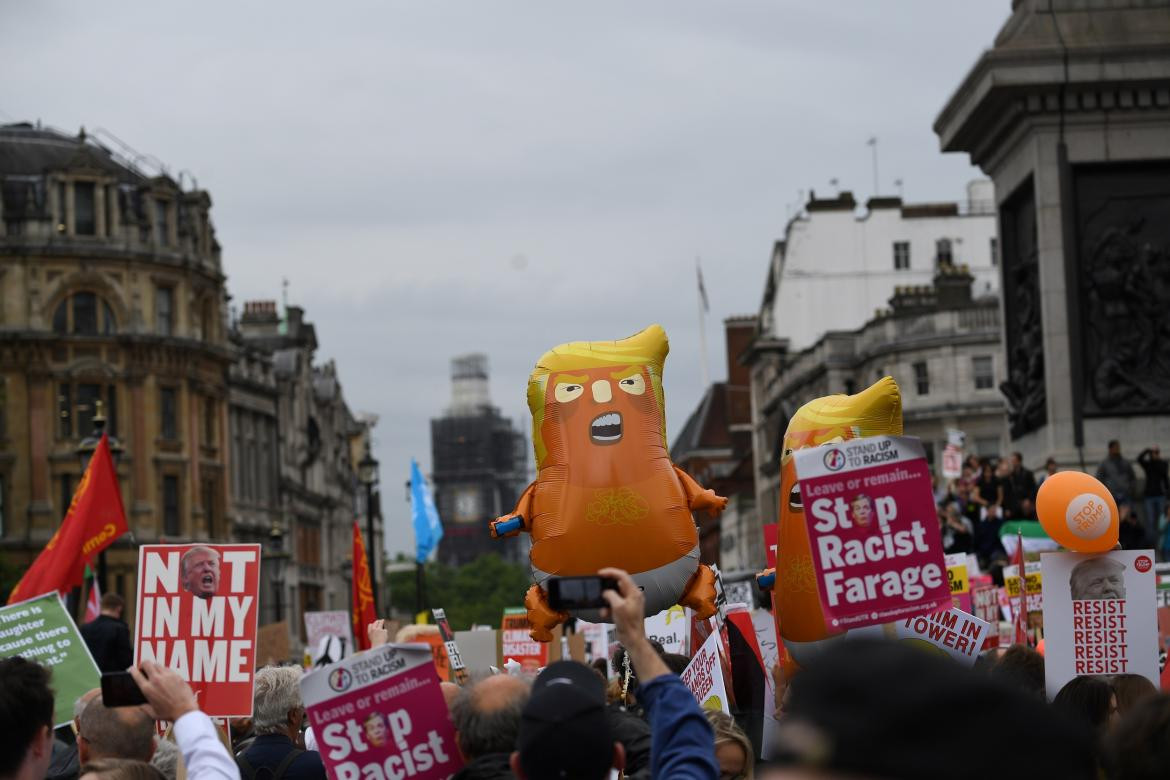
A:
(93, 605)
(363, 591)
(94, 520)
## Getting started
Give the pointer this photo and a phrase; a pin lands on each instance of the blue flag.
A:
(428, 530)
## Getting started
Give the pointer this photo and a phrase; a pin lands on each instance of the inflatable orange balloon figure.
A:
(875, 411)
(606, 491)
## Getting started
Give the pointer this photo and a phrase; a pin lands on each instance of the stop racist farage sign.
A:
(197, 615)
(873, 530)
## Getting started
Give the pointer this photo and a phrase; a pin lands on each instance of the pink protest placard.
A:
(382, 714)
(873, 529)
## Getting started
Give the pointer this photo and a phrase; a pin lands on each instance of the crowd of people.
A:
(867, 709)
(973, 507)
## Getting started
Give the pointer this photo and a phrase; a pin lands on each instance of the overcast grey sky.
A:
(436, 178)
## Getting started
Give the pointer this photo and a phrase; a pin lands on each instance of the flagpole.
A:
(703, 329)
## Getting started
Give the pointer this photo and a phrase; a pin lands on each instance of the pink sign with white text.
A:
(873, 529)
(382, 714)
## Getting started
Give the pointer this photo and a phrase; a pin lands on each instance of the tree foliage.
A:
(476, 592)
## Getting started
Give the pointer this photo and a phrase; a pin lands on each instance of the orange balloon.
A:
(1078, 512)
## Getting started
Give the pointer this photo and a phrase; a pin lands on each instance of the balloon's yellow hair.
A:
(875, 411)
(647, 348)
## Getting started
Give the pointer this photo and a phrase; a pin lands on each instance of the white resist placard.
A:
(1100, 616)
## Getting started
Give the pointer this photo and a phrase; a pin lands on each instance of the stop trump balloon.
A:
(1078, 512)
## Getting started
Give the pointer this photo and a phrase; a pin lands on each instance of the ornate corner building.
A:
(111, 295)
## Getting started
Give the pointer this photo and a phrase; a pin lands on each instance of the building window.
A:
(987, 447)
(901, 255)
(168, 408)
(850, 387)
(170, 504)
(984, 372)
(84, 210)
(77, 404)
(209, 509)
(209, 421)
(162, 221)
(164, 310)
(62, 218)
(921, 378)
(943, 252)
(308, 544)
(84, 314)
(66, 485)
(994, 250)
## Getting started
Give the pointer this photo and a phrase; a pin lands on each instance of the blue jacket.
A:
(268, 750)
(682, 744)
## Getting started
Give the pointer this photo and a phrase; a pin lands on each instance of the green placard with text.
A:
(41, 630)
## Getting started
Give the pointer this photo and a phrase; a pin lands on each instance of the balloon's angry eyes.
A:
(606, 428)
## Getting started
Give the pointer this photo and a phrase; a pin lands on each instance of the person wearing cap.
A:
(564, 731)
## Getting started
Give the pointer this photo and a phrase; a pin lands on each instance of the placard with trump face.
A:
(197, 614)
(1100, 616)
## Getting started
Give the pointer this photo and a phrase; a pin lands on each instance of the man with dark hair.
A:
(114, 732)
(1116, 473)
(487, 723)
(108, 636)
(1022, 668)
(1021, 484)
(26, 720)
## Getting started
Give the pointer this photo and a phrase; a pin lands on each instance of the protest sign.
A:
(197, 614)
(958, 581)
(985, 605)
(381, 714)
(1033, 590)
(704, 676)
(41, 630)
(957, 633)
(450, 646)
(1099, 616)
(669, 627)
(272, 644)
(770, 532)
(515, 643)
(952, 462)
(334, 624)
(598, 639)
(478, 649)
(873, 529)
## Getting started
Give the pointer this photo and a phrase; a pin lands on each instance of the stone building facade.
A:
(1069, 113)
(111, 291)
(296, 447)
(938, 342)
(112, 296)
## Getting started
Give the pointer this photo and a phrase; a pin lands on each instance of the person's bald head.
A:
(79, 705)
(114, 732)
(487, 715)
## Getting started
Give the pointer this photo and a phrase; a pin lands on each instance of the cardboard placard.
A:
(272, 644)
(1034, 590)
(478, 650)
(40, 629)
(330, 635)
(450, 647)
(959, 582)
(771, 530)
(197, 611)
(1099, 616)
(669, 627)
(873, 529)
(515, 642)
(382, 714)
(704, 677)
(957, 633)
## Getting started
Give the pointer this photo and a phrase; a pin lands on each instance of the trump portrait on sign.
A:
(200, 571)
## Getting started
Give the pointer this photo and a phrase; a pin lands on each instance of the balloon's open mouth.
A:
(794, 502)
(606, 429)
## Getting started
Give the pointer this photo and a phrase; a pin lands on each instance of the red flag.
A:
(363, 591)
(93, 605)
(1022, 611)
(94, 520)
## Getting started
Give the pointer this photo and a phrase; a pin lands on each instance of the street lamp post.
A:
(84, 452)
(277, 559)
(368, 476)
